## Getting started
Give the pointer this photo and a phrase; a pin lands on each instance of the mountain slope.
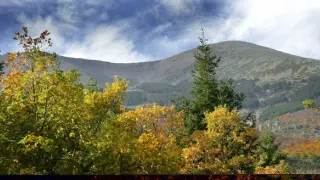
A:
(240, 60)
(267, 76)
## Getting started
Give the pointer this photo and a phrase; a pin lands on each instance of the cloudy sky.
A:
(143, 30)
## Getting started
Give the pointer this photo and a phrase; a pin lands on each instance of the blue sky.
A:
(125, 31)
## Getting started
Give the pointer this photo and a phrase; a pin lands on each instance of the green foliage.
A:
(252, 103)
(305, 164)
(93, 86)
(274, 111)
(207, 92)
(309, 91)
(308, 104)
(228, 96)
(268, 151)
(277, 87)
(1, 67)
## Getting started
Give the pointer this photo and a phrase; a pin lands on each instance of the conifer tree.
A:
(1, 67)
(268, 151)
(208, 92)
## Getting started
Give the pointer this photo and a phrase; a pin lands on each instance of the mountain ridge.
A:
(251, 66)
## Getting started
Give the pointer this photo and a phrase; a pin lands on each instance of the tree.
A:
(207, 92)
(1, 67)
(268, 151)
(141, 141)
(93, 85)
(49, 122)
(307, 104)
(41, 112)
(227, 146)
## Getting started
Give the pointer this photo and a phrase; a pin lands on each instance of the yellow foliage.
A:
(149, 135)
(282, 168)
(308, 104)
(217, 150)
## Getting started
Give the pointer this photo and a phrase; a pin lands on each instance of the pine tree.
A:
(1, 67)
(268, 151)
(207, 92)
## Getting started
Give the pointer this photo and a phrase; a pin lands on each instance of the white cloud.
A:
(91, 2)
(113, 42)
(177, 7)
(18, 2)
(108, 44)
(285, 25)
(71, 11)
(107, 3)
(68, 13)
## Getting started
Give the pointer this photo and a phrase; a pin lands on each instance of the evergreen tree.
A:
(207, 92)
(1, 67)
(268, 151)
(93, 86)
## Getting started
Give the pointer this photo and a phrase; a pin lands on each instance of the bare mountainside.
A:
(267, 77)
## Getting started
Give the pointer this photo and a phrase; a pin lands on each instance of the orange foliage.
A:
(303, 146)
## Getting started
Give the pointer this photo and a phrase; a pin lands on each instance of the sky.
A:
(125, 31)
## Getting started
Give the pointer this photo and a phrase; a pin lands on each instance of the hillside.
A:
(302, 123)
(267, 77)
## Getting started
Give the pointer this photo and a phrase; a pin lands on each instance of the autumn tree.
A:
(141, 141)
(307, 104)
(227, 146)
(40, 112)
(49, 121)
(208, 92)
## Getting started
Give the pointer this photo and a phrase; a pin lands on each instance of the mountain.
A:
(240, 60)
(267, 77)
